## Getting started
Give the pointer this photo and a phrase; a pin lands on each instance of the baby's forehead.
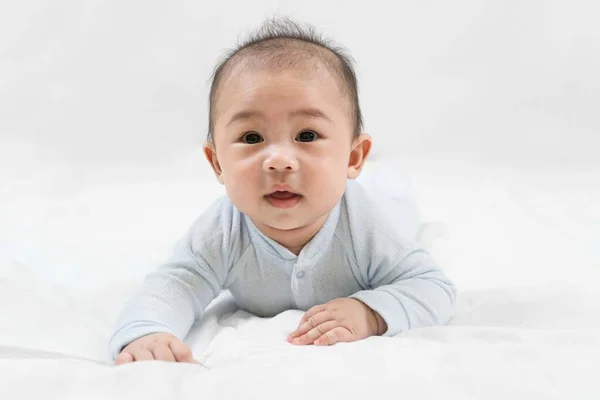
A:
(266, 73)
(282, 90)
(252, 72)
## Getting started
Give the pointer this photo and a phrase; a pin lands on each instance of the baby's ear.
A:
(361, 147)
(211, 155)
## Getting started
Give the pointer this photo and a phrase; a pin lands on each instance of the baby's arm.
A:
(172, 297)
(412, 293)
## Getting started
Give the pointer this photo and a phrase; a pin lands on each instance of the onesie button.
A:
(300, 275)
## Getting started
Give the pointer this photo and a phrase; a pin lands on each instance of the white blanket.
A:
(529, 342)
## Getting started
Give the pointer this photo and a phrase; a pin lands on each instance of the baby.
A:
(295, 229)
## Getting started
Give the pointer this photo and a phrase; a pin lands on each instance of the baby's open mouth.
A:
(283, 199)
(283, 194)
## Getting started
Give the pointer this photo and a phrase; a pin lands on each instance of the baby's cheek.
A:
(329, 192)
(241, 195)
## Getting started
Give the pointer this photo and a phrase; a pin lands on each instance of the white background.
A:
(489, 108)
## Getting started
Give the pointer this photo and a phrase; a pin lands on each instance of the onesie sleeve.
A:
(408, 294)
(402, 281)
(178, 292)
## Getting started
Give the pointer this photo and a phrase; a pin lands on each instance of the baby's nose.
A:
(280, 160)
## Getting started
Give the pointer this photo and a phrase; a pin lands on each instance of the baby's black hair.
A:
(283, 43)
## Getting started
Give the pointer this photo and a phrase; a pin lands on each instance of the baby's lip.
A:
(281, 188)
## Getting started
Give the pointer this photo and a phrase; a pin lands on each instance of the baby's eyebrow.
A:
(311, 112)
(308, 112)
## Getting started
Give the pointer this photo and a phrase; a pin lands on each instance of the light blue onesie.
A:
(365, 250)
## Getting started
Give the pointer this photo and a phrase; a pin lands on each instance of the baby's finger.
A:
(310, 312)
(142, 355)
(338, 334)
(123, 358)
(316, 332)
(312, 322)
(181, 351)
(163, 352)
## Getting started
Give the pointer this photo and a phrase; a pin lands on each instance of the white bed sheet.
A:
(530, 342)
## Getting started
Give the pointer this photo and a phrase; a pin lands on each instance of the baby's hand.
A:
(340, 320)
(156, 346)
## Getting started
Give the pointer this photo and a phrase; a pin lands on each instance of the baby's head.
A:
(285, 118)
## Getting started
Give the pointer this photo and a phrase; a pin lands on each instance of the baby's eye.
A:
(252, 138)
(307, 136)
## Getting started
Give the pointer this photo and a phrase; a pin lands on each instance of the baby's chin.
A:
(283, 226)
